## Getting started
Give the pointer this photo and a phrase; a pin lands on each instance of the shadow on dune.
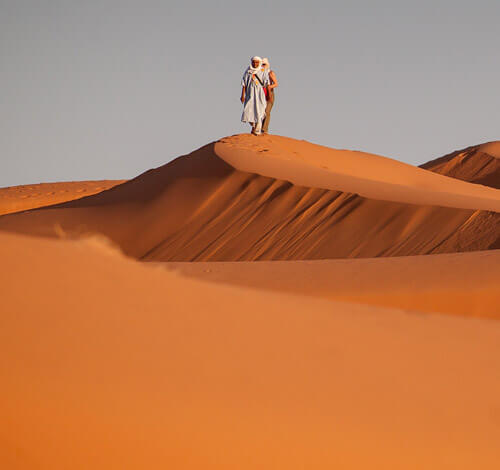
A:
(478, 164)
(199, 208)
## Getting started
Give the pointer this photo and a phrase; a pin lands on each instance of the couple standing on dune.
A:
(257, 95)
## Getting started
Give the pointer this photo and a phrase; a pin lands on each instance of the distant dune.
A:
(275, 198)
(32, 196)
(478, 164)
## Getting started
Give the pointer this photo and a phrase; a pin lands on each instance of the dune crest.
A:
(200, 207)
(371, 176)
(32, 196)
(478, 164)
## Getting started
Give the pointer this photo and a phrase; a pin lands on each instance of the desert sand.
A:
(109, 363)
(478, 164)
(370, 176)
(459, 283)
(243, 199)
(32, 196)
(342, 313)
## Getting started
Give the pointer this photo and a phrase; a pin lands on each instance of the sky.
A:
(106, 89)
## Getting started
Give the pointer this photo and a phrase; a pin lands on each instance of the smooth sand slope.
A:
(459, 283)
(111, 364)
(275, 198)
(32, 196)
(478, 164)
(368, 175)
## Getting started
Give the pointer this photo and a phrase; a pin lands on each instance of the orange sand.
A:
(110, 364)
(460, 283)
(478, 164)
(32, 196)
(202, 207)
(368, 175)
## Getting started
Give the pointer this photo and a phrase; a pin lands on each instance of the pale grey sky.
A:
(101, 89)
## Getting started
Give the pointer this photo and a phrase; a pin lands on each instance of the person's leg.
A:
(267, 119)
(258, 127)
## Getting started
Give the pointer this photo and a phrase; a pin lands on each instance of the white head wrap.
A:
(256, 69)
(265, 61)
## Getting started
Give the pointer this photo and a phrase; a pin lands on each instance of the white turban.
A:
(251, 69)
(265, 61)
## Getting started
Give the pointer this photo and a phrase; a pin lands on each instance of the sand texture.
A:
(110, 364)
(246, 199)
(459, 283)
(342, 313)
(478, 164)
(32, 196)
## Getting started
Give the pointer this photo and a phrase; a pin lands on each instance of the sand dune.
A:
(371, 176)
(460, 283)
(244, 198)
(478, 164)
(108, 363)
(32, 196)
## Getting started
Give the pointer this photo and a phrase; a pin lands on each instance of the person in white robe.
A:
(253, 96)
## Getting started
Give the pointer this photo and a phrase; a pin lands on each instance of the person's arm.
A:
(274, 80)
(242, 99)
